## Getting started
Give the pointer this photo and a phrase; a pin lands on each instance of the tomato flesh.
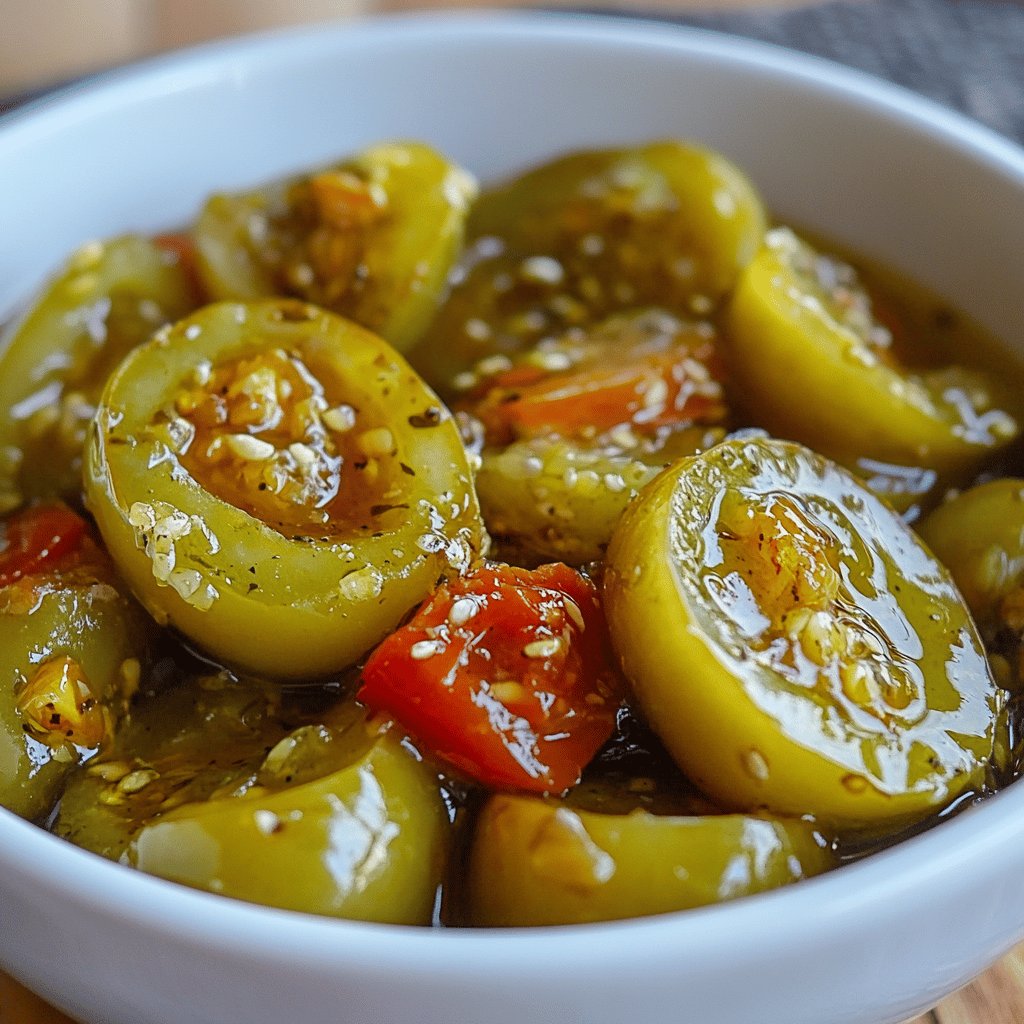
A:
(653, 392)
(38, 539)
(505, 675)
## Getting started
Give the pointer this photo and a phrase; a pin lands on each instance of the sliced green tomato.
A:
(55, 360)
(794, 645)
(208, 735)
(570, 242)
(250, 792)
(279, 485)
(70, 656)
(538, 862)
(811, 363)
(371, 238)
(549, 498)
(367, 841)
(979, 537)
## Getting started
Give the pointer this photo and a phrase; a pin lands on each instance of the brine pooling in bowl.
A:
(552, 547)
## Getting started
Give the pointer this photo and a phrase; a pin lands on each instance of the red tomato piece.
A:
(39, 539)
(183, 248)
(505, 674)
(645, 373)
(657, 391)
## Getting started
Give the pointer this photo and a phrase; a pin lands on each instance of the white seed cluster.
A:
(160, 529)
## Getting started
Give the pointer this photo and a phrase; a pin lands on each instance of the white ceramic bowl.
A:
(875, 168)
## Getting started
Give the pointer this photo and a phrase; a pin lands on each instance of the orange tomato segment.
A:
(505, 674)
(657, 391)
(183, 248)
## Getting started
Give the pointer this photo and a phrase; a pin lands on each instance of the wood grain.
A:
(19, 1006)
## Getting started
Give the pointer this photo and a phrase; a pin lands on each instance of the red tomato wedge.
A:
(659, 390)
(183, 247)
(505, 674)
(39, 539)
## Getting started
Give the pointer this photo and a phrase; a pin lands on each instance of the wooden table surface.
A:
(117, 30)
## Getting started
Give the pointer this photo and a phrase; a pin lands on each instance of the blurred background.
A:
(46, 41)
(967, 54)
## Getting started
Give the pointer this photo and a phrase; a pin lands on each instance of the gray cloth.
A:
(967, 54)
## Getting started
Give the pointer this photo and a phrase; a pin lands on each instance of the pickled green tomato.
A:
(210, 787)
(538, 862)
(55, 360)
(590, 234)
(368, 841)
(71, 651)
(203, 736)
(279, 485)
(793, 644)
(371, 238)
(810, 362)
(78, 645)
(550, 498)
(979, 537)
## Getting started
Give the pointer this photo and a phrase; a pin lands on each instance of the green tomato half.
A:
(569, 243)
(371, 238)
(549, 498)
(979, 536)
(367, 841)
(539, 862)
(70, 658)
(207, 785)
(55, 360)
(794, 645)
(278, 484)
(811, 363)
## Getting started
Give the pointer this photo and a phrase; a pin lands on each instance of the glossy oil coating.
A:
(794, 645)
(307, 591)
(371, 238)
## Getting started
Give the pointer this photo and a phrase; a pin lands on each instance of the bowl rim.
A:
(651, 31)
(986, 834)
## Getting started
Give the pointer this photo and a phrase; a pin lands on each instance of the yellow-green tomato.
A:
(794, 645)
(540, 862)
(810, 362)
(204, 736)
(367, 841)
(371, 238)
(979, 537)
(550, 498)
(55, 360)
(278, 484)
(570, 242)
(70, 658)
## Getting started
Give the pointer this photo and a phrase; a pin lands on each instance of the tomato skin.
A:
(38, 539)
(505, 674)
(183, 248)
(599, 398)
